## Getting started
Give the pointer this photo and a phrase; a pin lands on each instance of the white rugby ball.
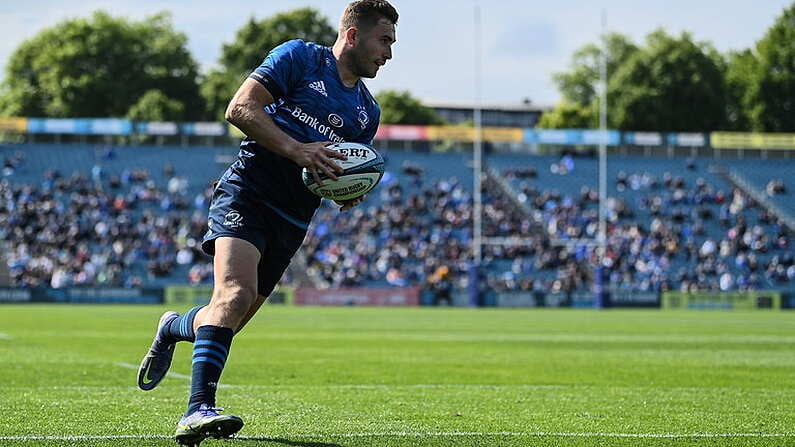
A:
(362, 171)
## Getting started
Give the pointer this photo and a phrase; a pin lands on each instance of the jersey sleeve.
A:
(282, 68)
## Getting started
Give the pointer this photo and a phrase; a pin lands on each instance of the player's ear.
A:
(351, 34)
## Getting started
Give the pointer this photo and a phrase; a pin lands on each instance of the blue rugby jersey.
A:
(311, 104)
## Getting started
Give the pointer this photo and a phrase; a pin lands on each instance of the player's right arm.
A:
(246, 111)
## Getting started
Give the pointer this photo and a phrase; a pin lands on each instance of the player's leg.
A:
(171, 328)
(274, 262)
(251, 311)
(234, 292)
(282, 240)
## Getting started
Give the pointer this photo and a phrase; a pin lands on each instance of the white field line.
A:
(80, 437)
(686, 339)
(168, 374)
(429, 434)
(414, 386)
(539, 434)
(5, 337)
(385, 387)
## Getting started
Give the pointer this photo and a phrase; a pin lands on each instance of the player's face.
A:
(373, 48)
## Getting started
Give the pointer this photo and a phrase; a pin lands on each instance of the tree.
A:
(100, 67)
(674, 84)
(579, 84)
(402, 108)
(250, 46)
(567, 115)
(772, 88)
(217, 89)
(741, 69)
(154, 105)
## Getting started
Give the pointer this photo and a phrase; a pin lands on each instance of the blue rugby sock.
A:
(209, 356)
(181, 328)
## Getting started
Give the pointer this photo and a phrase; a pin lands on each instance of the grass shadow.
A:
(287, 442)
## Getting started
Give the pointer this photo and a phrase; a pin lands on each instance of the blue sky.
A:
(524, 42)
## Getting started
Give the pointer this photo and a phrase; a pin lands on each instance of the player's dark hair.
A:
(365, 14)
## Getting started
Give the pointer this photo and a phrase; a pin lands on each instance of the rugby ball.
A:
(362, 171)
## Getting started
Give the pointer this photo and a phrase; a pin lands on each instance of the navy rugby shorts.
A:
(236, 211)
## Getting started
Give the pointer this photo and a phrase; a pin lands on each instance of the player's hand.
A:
(318, 159)
(345, 205)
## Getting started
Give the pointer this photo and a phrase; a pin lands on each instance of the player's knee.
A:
(233, 299)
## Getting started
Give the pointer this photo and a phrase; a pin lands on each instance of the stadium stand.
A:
(84, 215)
(127, 216)
(673, 222)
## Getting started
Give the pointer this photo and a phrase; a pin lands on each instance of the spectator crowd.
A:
(123, 229)
(117, 231)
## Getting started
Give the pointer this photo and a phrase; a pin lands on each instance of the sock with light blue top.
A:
(181, 328)
(209, 357)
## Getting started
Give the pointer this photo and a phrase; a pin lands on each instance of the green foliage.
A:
(772, 85)
(579, 85)
(250, 46)
(100, 67)
(154, 105)
(741, 70)
(256, 38)
(567, 115)
(217, 89)
(674, 84)
(402, 108)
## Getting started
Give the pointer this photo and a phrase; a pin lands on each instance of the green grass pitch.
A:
(347, 377)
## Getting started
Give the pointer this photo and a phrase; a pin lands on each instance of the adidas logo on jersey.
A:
(319, 87)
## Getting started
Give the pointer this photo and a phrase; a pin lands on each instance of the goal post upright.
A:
(597, 244)
(599, 286)
(477, 166)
